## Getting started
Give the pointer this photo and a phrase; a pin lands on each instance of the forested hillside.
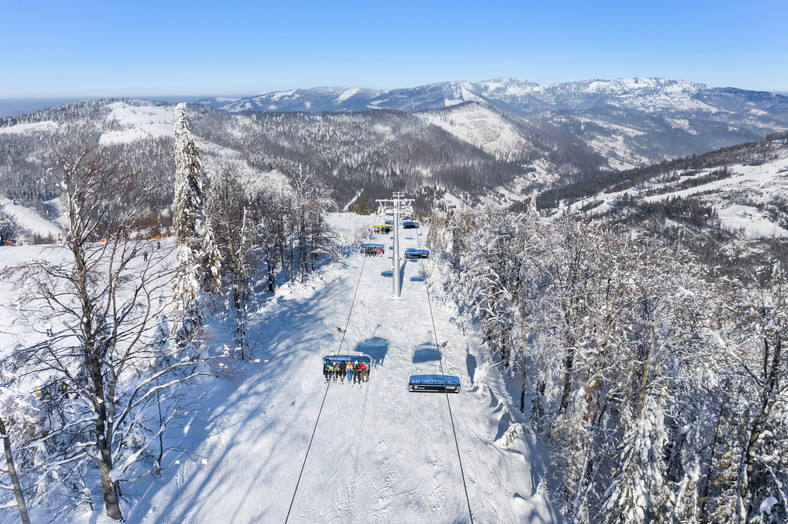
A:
(653, 373)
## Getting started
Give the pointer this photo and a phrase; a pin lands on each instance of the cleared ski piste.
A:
(379, 452)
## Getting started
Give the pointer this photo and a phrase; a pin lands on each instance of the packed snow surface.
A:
(378, 453)
(29, 220)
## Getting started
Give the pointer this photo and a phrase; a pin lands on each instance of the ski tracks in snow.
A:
(379, 453)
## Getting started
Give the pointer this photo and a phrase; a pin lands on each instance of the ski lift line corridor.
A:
(380, 421)
(328, 385)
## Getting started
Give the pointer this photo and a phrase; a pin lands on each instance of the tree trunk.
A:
(103, 437)
(758, 423)
(705, 491)
(9, 460)
(108, 486)
(522, 383)
(569, 365)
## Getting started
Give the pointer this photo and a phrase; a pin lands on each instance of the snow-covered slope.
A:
(481, 126)
(130, 123)
(29, 221)
(378, 453)
(752, 197)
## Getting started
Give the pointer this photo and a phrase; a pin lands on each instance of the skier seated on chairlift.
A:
(364, 371)
(349, 369)
(328, 370)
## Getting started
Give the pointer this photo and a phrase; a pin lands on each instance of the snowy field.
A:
(735, 198)
(378, 453)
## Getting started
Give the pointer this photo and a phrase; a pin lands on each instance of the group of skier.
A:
(356, 371)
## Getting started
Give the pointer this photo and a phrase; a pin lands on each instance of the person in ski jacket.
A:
(341, 368)
(363, 370)
(328, 370)
(349, 369)
(355, 372)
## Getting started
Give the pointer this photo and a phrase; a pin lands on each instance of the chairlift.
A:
(410, 224)
(337, 359)
(372, 250)
(417, 253)
(434, 383)
(341, 360)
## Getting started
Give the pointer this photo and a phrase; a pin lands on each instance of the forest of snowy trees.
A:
(659, 385)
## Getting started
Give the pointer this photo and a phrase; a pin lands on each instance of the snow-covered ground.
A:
(378, 453)
(137, 122)
(29, 220)
(479, 126)
(735, 198)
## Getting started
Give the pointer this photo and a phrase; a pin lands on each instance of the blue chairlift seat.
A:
(337, 359)
(434, 383)
(417, 253)
(410, 224)
(372, 249)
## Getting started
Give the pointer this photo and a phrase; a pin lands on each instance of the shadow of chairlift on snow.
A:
(375, 347)
(426, 353)
(431, 383)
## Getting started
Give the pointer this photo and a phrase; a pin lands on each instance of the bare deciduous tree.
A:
(102, 302)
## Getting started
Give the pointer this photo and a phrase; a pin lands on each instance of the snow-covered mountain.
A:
(648, 95)
(632, 122)
(472, 150)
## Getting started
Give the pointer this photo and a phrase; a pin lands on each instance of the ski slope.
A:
(378, 453)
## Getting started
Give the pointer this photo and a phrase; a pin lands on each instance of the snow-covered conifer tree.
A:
(638, 492)
(199, 261)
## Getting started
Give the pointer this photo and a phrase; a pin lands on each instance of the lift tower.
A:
(396, 206)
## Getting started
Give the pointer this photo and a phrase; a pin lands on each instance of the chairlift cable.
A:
(446, 391)
(328, 385)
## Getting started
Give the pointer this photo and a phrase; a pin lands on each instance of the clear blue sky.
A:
(75, 48)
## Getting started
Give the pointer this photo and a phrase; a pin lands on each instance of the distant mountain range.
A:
(498, 141)
(631, 122)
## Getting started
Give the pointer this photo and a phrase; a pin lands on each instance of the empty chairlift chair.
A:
(417, 253)
(434, 383)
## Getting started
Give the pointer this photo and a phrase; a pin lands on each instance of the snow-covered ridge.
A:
(480, 126)
(46, 126)
(138, 122)
(645, 94)
(741, 200)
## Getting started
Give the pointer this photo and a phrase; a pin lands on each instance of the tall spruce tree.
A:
(198, 256)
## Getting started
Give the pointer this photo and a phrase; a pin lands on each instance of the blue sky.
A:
(77, 48)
